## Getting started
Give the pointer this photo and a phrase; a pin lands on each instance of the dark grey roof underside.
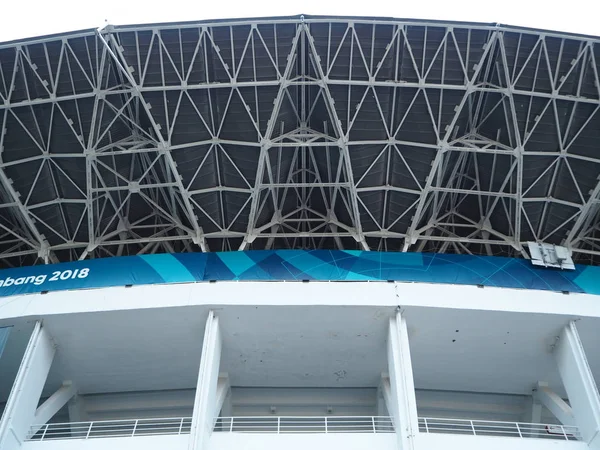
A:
(299, 132)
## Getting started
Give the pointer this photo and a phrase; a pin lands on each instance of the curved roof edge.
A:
(298, 17)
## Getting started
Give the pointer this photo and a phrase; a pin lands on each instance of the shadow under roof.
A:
(299, 132)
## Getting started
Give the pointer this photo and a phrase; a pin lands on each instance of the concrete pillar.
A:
(533, 414)
(403, 403)
(77, 414)
(24, 397)
(382, 398)
(205, 402)
(4, 333)
(579, 383)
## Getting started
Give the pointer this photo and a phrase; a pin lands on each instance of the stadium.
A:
(300, 231)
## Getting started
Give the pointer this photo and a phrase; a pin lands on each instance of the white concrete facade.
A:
(363, 323)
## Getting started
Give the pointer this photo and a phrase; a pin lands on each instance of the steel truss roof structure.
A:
(299, 132)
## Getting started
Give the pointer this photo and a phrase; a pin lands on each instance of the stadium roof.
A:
(299, 132)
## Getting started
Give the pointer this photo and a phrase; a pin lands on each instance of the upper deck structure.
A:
(300, 232)
(298, 132)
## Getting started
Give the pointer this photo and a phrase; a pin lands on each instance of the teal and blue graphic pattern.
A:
(298, 265)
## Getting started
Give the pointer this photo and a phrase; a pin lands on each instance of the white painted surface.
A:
(310, 346)
(52, 405)
(345, 441)
(127, 443)
(294, 293)
(452, 441)
(305, 335)
(206, 388)
(579, 384)
(402, 401)
(352, 441)
(21, 406)
(308, 402)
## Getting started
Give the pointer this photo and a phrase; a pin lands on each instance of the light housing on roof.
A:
(549, 255)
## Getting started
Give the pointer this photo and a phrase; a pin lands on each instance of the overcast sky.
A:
(26, 18)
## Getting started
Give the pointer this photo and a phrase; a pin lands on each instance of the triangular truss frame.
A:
(301, 132)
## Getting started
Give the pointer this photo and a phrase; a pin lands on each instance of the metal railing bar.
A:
(296, 424)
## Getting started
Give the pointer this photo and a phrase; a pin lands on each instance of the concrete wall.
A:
(227, 441)
(310, 402)
(351, 441)
(315, 293)
(451, 441)
(128, 443)
(354, 441)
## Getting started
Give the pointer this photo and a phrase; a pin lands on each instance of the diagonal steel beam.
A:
(587, 213)
(266, 143)
(41, 244)
(163, 146)
(342, 137)
(443, 143)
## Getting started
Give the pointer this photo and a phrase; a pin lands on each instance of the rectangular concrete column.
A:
(4, 333)
(24, 397)
(403, 404)
(205, 402)
(533, 414)
(579, 383)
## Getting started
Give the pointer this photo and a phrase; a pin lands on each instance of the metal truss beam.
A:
(265, 142)
(162, 144)
(288, 134)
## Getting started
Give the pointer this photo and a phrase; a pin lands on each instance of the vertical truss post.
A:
(163, 146)
(266, 143)
(90, 156)
(518, 148)
(443, 145)
(341, 136)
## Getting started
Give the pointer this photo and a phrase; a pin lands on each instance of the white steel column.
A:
(24, 397)
(403, 404)
(205, 402)
(579, 383)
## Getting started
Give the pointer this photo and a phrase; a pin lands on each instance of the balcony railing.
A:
(506, 429)
(282, 425)
(330, 424)
(268, 424)
(110, 428)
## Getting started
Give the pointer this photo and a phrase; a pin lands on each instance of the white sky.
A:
(27, 18)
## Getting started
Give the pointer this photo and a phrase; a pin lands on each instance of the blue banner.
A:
(298, 265)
